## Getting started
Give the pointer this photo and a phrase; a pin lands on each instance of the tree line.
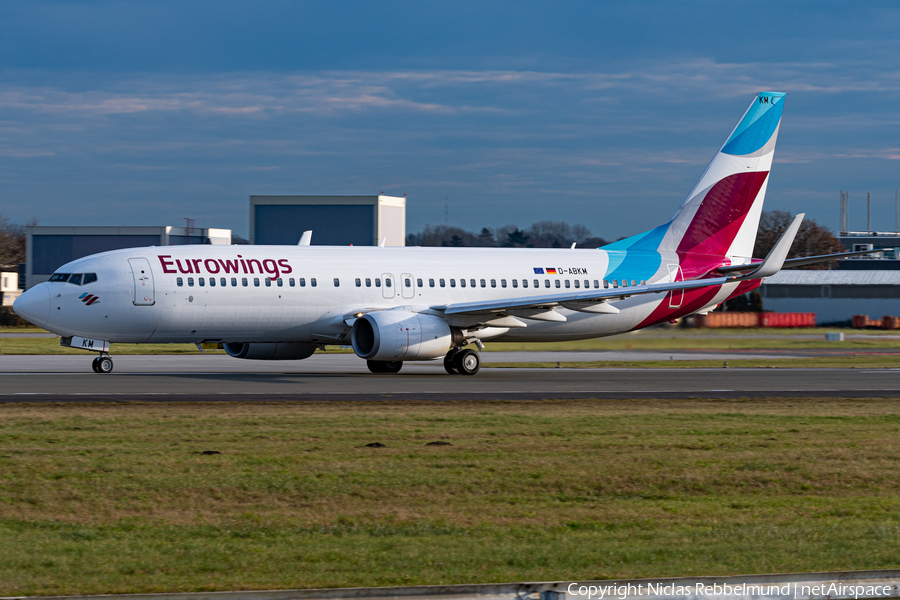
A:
(543, 234)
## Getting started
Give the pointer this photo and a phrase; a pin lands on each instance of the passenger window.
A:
(59, 277)
(494, 283)
(452, 283)
(546, 283)
(243, 281)
(201, 281)
(337, 282)
(557, 283)
(462, 283)
(624, 283)
(302, 281)
(268, 281)
(502, 283)
(358, 282)
(368, 282)
(587, 284)
(223, 282)
(179, 282)
(256, 282)
(377, 282)
(525, 283)
(419, 282)
(633, 282)
(442, 283)
(280, 282)
(190, 282)
(387, 283)
(89, 278)
(537, 283)
(484, 283)
(615, 283)
(567, 284)
(596, 283)
(577, 284)
(75, 279)
(212, 282)
(606, 284)
(472, 282)
(515, 283)
(291, 282)
(234, 282)
(312, 282)
(431, 283)
(407, 282)
(643, 282)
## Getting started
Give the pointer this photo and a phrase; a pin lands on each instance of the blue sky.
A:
(604, 114)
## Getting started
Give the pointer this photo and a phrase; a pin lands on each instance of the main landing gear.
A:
(102, 364)
(463, 362)
(384, 366)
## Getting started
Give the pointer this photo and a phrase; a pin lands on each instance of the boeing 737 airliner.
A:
(399, 304)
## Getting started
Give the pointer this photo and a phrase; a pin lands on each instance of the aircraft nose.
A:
(34, 305)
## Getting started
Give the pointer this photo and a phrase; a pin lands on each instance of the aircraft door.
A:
(388, 288)
(408, 286)
(144, 294)
(676, 297)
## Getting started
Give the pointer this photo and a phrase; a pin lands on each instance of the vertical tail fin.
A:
(721, 214)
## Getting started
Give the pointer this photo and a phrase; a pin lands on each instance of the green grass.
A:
(659, 339)
(119, 497)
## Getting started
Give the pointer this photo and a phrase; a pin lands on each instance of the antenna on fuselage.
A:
(306, 238)
(383, 242)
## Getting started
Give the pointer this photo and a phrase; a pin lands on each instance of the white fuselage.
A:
(307, 293)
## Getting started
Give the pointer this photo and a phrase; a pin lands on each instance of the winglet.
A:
(777, 255)
(306, 238)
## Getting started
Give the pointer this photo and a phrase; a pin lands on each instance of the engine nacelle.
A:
(402, 335)
(269, 351)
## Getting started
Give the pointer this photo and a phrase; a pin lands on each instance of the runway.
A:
(345, 377)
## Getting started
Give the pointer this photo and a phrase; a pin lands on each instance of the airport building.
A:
(334, 220)
(834, 296)
(48, 248)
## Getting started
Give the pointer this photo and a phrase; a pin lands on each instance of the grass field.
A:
(182, 497)
(653, 339)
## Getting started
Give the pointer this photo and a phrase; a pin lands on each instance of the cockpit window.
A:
(59, 276)
(75, 279)
(89, 278)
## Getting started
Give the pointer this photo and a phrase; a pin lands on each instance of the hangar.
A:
(47, 248)
(334, 220)
(833, 295)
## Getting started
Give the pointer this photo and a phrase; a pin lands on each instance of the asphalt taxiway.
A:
(345, 377)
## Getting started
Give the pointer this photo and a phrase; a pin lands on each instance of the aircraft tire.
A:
(94, 366)
(392, 366)
(375, 365)
(448, 364)
(105, 365)
(467, 362)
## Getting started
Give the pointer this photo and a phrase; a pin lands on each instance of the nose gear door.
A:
(144, 294)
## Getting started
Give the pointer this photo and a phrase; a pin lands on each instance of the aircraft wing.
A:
(799, 262)
(540, 307)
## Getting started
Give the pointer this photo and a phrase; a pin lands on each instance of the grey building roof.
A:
(805, 277)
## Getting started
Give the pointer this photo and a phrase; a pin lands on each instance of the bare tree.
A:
(812, 239)
(12, 244)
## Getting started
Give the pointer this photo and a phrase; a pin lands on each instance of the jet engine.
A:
(402, 335)
(269, 351)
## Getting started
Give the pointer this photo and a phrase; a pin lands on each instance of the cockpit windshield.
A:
(74, 278)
